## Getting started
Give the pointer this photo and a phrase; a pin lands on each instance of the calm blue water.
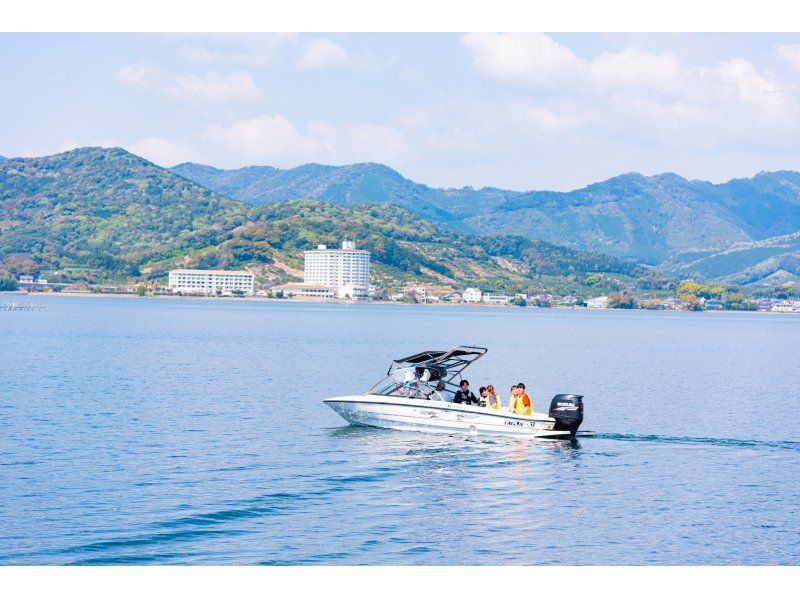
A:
(141, 431)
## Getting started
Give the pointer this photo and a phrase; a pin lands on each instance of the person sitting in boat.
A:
(409, 382)
(491, 398)
(482, 396)
(520, 402)
(438, 394)
(465, 395)
(512, 398)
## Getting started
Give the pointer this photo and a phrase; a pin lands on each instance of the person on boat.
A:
(437, 395)
(492, 398)
(482, 396)
(512, 398)
(520, 401)
(465, 395)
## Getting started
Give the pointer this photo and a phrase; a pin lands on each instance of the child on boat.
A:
(489, 398)
(520, 403)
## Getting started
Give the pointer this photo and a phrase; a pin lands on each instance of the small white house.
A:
(597, 302)
(471, 296)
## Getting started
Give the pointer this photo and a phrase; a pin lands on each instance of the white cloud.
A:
(274, 140)
(790, 54)
(632, 68)
(532, 58)
(537, 60)
(269, 140)
(649, 97)
(260, 49)
(545, 120)
(769, 97)
(322, 52)
(138, 73)
(216, 87)
(161, 151)
(359, 142)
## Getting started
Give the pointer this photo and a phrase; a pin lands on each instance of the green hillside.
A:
(111, 216)
(642, 218)
(772, 260)
(103, 208)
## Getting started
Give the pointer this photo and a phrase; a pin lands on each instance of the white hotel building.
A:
(345, 269)
(208, 282)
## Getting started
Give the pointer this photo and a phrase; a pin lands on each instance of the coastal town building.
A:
(211, 282)
(418, 294)
(308, 291)
(471, 295)
(496, 299)
(346, 269)
(352, 290)
(786, 306)
(569, 300)
(597, 302)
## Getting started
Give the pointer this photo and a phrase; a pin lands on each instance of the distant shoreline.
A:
(398, 303)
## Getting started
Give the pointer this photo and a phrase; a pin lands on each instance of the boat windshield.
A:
(430, 374)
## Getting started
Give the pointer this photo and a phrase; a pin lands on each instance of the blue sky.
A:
(521, 111)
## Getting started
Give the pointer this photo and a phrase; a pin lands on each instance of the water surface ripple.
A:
(141, 431)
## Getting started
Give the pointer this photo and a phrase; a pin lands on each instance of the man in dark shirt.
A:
(463, 395)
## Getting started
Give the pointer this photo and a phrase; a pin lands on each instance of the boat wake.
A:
(789, 445)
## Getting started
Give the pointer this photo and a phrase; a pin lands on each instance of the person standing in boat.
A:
(520, 403)
(491, 398)
(465, 395)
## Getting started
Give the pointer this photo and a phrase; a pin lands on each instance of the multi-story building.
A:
(345, 269)
(209, 282)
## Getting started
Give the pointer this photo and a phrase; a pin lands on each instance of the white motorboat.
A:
(407, 399)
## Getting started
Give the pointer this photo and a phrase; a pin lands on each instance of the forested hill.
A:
(775, 260)
(103, 208)
(644, 218)
(121, 217)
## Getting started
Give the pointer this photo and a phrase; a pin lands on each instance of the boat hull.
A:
(422, 415)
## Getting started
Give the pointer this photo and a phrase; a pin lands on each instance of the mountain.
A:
(118, 215)
(356, 184)
(103, 208)
(643, 218)
(773, 260)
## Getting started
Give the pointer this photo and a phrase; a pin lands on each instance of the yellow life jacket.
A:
(520, 404)
(493, 396)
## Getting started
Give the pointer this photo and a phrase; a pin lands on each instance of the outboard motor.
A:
(567, 410)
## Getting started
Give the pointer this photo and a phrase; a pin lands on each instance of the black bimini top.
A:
(454, 360)
(443, 365)
(468, 353)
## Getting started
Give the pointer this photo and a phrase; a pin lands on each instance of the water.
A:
(138, 431)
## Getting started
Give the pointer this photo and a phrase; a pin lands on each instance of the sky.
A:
(516, 111)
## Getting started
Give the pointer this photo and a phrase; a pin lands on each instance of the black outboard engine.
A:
(567, 410)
